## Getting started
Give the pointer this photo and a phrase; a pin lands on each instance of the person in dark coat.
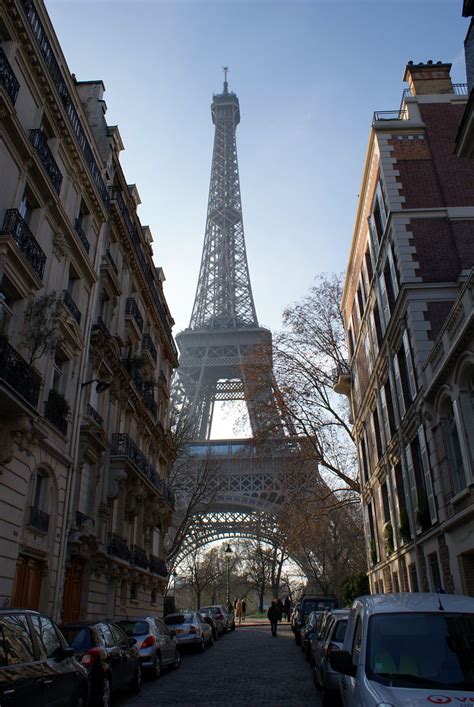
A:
(287, 608)
(273, 614)
(280, 609)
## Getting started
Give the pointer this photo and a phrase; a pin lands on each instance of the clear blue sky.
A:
(308, 74)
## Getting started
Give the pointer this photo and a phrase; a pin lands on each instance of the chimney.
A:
(429, 78)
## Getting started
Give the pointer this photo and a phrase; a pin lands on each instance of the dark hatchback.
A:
(37, 668)
(110, 657)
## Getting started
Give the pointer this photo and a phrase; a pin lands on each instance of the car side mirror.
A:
(341, 662)
(66, 652)
(132, 641)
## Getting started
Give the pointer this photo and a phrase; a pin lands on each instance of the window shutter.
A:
(410, 483)
(384, 298)
(410, 368)
(392, 494)
(383, 213)
(373, 334)
(427, 474)
(365, 514)
(398, 387)
(463, 439)
(383, 408)
(374, 240)
(393, 271)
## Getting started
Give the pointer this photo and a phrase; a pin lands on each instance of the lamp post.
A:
(228, 555)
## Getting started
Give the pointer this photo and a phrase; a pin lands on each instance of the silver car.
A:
(156, 643)
(190, 629)
(330, 639)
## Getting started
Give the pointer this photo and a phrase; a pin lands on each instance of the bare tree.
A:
(41, 334)
(202, 572)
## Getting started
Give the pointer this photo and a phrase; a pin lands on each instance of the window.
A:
(368, 265)
(106, 634)
(357, 641)
(402, 502)
(48, 639)
(120, 635)
(15, 640)
(385, 503)
(413, 577)
(133, 591)
(454, 450)
(26, 207)
(40, 493)
(396, 583)
(363, 458)
(378, 438)
(57, 376)
(435, 573)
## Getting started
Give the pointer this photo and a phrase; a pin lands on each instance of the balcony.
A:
(139, 557)
(132, 312)
(72, 306)
(100, 326)
(17, 228)
(94, 415)
(124, 446)
(15, 371)
(7, 78)
(57, 410)
(150, 403)
(158, 566)
(38, 519)
(149, 347)
(40, 143)
(82, 236)
(118, 547)
(112, 262)
(389, 115)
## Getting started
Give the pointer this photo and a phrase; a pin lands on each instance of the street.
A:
(245, 667)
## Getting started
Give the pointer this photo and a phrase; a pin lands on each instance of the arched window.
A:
(39, 508)
(452, 437)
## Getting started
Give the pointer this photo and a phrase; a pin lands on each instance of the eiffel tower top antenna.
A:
(226, 85)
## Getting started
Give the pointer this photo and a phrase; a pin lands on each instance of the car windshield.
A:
(78, 637)
(422, 650)
(175, 619)
(317, 605)
(340, 631)
(134, 628)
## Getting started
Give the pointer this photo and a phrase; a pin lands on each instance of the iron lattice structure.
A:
(213, 364)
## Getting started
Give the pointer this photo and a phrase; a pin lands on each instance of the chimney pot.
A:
(429, 78)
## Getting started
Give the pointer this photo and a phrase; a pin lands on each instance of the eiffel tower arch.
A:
(213, 366)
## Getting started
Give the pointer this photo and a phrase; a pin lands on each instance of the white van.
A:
(407, 649)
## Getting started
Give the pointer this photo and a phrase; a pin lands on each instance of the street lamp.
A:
(228, 555)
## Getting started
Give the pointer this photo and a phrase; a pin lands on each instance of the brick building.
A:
(408, 311)
(84, 426)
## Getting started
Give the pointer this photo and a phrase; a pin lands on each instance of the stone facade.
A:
(409, 313)
(85, 447)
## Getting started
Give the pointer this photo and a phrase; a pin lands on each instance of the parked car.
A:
(309, 630)
(190, 629)
(110, 657)
(405, 649)
(222, 614)
(330, 639)
(209, 620)
(306, 606)
(156, 643)
(36, 665)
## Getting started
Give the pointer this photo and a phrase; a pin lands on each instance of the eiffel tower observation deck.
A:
(213, 365)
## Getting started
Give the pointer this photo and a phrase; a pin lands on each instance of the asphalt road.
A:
(246, 667)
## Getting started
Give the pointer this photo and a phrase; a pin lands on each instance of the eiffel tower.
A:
(214, 351)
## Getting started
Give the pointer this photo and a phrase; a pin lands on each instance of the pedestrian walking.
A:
(287, 608)
(244, 608)
(238, 611)
(273, 616)
(280, 609)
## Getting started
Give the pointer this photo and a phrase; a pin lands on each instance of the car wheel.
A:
(136, 684)
(211, 640)
(316, 679)
(156, 669)
(202, 646)
(177, 660)
(298, 639)
(327, 697)
(232, 628)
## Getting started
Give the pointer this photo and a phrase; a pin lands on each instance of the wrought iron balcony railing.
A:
(131, 310)
(148, 345)
(92, 413)
(72, 306)
(56, 410)
(111, 260)
(100, 325)
(40, 143)
(47, 52)
(15, 371)
(118, 547)
(158, 566)
(38, 519)
(16, 227)
(124, 446)
(82, 236)
(7, 77)
(139, 557)
(401, 114)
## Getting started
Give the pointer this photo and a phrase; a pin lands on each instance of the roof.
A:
(415, 602)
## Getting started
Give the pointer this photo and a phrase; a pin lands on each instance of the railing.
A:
(124, 446)
(148, 345)
(92, 412)
(381, 115)
(111, 261)
(118, 547)
(40, 143)
(100, 325)
(158, 566)
(146, 268)
(139, 557)
(82, 236)
(7, 78)
(459, 89)
(38, 519)
(72, 306)
(17, 228)
(54, 411)
(56, 75)
(131, 309)
(15, 371)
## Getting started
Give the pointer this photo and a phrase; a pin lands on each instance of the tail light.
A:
(148, 642)
(220, 616)
(91, 657)
(332, 647)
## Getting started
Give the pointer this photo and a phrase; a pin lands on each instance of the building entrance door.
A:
(27, 585)
(72, 590)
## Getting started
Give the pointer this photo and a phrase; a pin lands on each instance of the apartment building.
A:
(409, 316)
(86, 349)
